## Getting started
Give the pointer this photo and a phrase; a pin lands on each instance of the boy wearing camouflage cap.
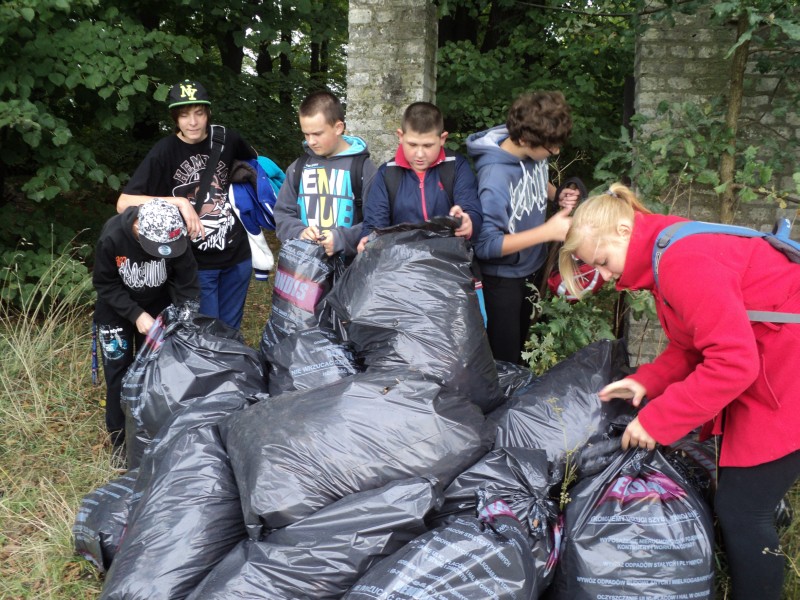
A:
(142, 265)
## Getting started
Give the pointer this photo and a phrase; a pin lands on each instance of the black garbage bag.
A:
(201, 411)
(304, 276)
(187, 521)
(512, 377)
(408, 301)
(308, 359)
(520, 477)
(102, 519)
(560, 412)
(136, 437)
(199, 356)
(636, 530)
(298, 452)
(483, 557)
(321, 556)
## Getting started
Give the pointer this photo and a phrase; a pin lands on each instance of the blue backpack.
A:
(778, 239)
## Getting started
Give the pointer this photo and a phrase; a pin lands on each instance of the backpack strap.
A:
(447, 176)
(778, 239)
(357, 182)
(217, 144)
(297, 176)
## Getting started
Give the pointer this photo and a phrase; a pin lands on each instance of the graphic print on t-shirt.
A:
(140, 275)
(326, 197)
(216, 213)
(528, 195)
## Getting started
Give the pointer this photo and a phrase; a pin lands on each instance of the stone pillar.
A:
(391, 62)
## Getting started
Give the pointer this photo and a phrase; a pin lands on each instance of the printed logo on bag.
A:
(302, 293)
(652, 485)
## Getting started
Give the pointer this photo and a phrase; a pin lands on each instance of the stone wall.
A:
(686, 62)
(391, 62)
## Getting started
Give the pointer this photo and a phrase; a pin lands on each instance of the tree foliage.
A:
(493, 50)
(738, 155)
(83, 85)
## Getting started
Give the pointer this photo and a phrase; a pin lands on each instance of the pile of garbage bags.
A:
(372, 449)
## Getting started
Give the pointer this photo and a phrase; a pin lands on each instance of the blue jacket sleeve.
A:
(495, 202)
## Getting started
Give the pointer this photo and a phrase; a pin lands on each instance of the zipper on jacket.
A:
(422, 196)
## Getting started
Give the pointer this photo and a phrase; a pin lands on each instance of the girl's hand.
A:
(627, 389)
(635, 436)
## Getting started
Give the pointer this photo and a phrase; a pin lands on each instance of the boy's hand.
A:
(326, 240)
(144, 323)
(193, 225)
(310, 233)
(558, 225)
(569, 198)
(465, 230)
(362, 243)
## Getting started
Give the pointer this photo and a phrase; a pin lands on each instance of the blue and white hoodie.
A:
(513, 194)
(325, 197)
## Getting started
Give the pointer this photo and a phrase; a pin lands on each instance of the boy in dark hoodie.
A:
(321, 198)
(141, 266)
(514, 189)
(420, 193)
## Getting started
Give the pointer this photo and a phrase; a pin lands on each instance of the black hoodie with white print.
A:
(129, 281)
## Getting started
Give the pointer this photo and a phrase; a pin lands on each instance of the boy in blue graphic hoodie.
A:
(321, 198)
(513, 187)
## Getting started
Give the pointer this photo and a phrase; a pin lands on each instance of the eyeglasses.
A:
(551, 153)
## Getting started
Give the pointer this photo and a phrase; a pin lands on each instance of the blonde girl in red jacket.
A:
(719, 370)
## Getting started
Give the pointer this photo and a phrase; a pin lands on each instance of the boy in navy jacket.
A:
(421, 194)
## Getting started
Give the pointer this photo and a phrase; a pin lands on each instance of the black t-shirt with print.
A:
(173, 168)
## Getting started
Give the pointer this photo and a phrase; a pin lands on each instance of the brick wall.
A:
(687, 62)
(391, 62)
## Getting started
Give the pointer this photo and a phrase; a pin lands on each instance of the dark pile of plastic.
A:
(372, 449)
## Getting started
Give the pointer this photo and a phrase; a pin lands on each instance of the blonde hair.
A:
(596, 219)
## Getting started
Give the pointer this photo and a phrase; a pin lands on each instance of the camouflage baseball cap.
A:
(162, 231)
(187, 92)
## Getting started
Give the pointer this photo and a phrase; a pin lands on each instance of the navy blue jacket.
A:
(415, 202)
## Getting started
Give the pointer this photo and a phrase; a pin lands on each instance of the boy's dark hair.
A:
(423, 117)
(177, 110)
(540, 119)
(324, 102)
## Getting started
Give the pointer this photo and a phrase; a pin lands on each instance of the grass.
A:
(53, 450)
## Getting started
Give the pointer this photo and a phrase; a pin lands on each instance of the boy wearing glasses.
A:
(514, 188)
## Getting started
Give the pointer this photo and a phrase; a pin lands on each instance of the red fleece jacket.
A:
(718, 366)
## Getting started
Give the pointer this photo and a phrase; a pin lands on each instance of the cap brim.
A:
(161, 250)
(187, 102)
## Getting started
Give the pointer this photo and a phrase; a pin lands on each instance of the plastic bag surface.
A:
(560, 412)
(187, 520)
(484, 557)
(520, 477)
(635, 530)
(321, 556)
(350, 436)
(101, 520)
(408, 301)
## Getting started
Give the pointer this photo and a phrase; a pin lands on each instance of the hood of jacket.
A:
(484, 148)
(357, 146)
